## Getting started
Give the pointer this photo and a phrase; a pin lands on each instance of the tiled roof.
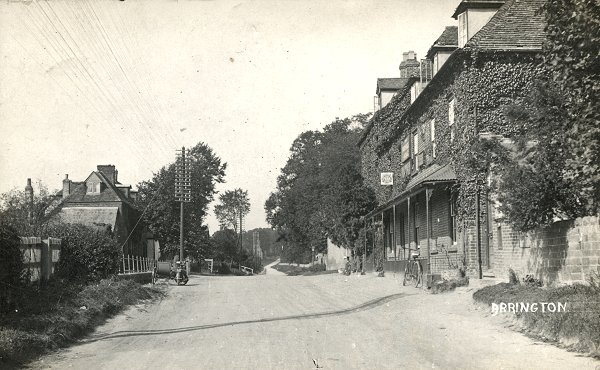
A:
(109, 194)
(433, 173)
(448, 39)
(90, 216)
(518, 24)
(476, 4)
(391, 83)
(382, 113)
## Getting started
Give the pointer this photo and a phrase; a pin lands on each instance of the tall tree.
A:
(29, 215)
(320, 191)
(156, 199)
(225, 245)
(234, 204)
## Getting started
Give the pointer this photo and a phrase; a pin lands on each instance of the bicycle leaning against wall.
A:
(413, 271)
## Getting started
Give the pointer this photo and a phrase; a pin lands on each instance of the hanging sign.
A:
(387, 178)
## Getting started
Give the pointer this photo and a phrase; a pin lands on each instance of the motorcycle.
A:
(180, 274)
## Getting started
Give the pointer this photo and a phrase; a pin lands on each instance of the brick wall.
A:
(568, 251)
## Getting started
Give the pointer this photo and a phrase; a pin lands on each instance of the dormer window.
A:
(472, 15)
(93, 187)
(463, 25)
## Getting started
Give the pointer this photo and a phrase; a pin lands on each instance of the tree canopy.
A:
(233, 204)
(15, 208)
(320, 191)
(156, 199)
(225, 243)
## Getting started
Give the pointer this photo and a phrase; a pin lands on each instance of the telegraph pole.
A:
(183, 189)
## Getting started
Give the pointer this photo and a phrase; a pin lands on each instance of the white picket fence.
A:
(135, 264)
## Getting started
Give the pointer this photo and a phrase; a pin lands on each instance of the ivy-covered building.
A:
(431, 138)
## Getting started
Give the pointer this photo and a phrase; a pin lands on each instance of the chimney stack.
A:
(409, 67)
(66, 187)
(29, 192)
(109, 171)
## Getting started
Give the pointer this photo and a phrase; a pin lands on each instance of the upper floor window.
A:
(417, 158)
(93, 187)
(462, 29)
(416, 143)
(451, 118)
(405, 149)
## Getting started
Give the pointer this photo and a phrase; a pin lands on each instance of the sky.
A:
(88, 82)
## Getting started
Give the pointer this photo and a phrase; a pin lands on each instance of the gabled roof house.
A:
(101, 201)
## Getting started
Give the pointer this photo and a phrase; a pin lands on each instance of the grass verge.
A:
(577, 328)
(291, 270)
(60, 313)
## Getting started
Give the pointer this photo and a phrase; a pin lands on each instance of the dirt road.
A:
(327, 321)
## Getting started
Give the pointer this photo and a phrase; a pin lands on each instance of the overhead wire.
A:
(59, 60)
(62, 47)
(103, 90)
(82, 74)
(143, 77)
(135, 111)
(95, 44)
(112, 49)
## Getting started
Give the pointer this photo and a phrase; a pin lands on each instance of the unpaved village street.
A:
(305, 322)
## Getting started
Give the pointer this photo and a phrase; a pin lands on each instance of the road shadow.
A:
(134, 333)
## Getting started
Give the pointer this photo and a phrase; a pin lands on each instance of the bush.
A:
(13, 276)
(12, 273)
(253, 263)
(317, 267)
(530, 280)
(87, 254)
(223, 269)
(512, 277)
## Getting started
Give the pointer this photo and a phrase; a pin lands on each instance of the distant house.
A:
(101, 201)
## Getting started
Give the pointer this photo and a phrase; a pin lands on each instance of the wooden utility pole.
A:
(183, 189)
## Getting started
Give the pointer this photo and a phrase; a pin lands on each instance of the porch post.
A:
(427, 195)
(408, 224)
(384, 237)
(374, 233)
(394, 235)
